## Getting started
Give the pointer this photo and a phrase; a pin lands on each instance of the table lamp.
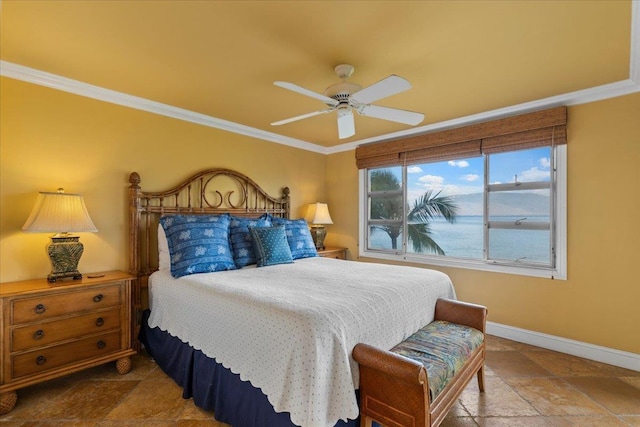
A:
(61, 213)
(317, 216)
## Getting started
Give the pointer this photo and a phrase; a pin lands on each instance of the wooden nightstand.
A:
(50, 330)
(333, 252)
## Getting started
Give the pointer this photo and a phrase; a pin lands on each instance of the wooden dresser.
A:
(51, 330)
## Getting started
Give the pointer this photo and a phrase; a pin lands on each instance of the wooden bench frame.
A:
(394, 390)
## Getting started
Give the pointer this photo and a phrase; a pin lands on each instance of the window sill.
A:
(556, 274)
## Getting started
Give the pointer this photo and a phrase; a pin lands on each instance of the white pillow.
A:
(164, 259)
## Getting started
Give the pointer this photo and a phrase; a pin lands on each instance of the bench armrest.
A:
(390, 364)
(462, 313)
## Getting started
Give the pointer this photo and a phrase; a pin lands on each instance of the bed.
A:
(266, 344)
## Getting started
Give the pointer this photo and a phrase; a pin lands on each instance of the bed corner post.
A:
(134, 223)
(134, 256)
(286, 202)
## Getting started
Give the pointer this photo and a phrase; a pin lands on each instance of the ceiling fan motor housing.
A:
(342, 91)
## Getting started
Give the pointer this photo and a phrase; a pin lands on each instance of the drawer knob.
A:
(40, 308)
(38, 335)
(99, 321)
(41, 360)
(97, 298)
(101, 344)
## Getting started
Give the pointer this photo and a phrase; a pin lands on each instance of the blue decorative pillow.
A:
(198, 243)
(271, 245)
(299, 237)
(241, 241)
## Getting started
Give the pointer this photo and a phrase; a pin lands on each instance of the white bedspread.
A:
(289, 329)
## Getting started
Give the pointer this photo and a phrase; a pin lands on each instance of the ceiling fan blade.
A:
(385, 87)
(391, 114)
(307, 92)
(303, 116)
(346, 125)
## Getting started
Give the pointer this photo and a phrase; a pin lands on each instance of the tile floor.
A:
(525, 386)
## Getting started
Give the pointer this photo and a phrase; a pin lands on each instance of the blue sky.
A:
(465, 176)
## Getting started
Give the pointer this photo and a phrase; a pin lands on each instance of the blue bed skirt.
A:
(212, 386)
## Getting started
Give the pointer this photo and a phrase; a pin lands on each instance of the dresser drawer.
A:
(45, 333)
(43, 307)
(55, 356)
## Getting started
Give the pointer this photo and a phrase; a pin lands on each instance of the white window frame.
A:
(558, 272)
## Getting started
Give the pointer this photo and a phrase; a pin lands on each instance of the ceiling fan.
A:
(344, 97)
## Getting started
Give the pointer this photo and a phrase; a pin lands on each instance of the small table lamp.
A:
(61, 213)
(318, 216)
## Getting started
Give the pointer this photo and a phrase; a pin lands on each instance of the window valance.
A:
(531, 130)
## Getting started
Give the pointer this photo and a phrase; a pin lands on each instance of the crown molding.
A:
(31, 75)
(597, 93)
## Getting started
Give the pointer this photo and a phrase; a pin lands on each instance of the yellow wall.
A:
(600, 301)
(52, 139)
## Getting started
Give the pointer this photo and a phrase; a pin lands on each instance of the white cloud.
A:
(458, 163)
(431, 180)
(544, 163)
(414, 169)
(534, 174)
(470, 177)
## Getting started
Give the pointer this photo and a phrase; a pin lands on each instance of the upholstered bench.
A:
(416, 382)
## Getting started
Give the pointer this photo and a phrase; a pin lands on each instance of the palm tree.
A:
(420, 214)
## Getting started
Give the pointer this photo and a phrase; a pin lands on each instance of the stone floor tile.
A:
(90, 400)
(193, 412)
(632, 420)
(151, 400)
(595, 421)
(521, 422)
(513, 364)
(494, 343)
(498, 400)
(614, 394)
(451, 421)
(59, 423)
(136, 423)
(553, 396)
(199, 423)
(565, 365)
(634, 381)
(34, 399)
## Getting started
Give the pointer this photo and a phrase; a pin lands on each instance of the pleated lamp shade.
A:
(59, 213)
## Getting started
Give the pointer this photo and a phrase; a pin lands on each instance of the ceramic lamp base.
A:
(64, 253)
(318, 232)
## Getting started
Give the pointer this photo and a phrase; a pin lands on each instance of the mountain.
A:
(503, 203)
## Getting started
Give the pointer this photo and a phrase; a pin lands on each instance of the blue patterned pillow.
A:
(271, 245)
(241, 241)
(299, 237)
(198, 243)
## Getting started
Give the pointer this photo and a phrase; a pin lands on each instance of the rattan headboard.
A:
(212, 191)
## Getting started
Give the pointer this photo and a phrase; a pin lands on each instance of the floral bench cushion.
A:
(442, 348)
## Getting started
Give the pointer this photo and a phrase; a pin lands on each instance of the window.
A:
(488, 203)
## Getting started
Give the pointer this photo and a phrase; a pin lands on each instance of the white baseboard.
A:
(598, 353)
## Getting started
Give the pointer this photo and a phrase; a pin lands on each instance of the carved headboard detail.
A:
(211, 191)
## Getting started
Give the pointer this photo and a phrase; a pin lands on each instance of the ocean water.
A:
(464, 239)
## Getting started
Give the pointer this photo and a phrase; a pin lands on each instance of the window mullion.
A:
(485, 209)
(404, 210)
(552, 208)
